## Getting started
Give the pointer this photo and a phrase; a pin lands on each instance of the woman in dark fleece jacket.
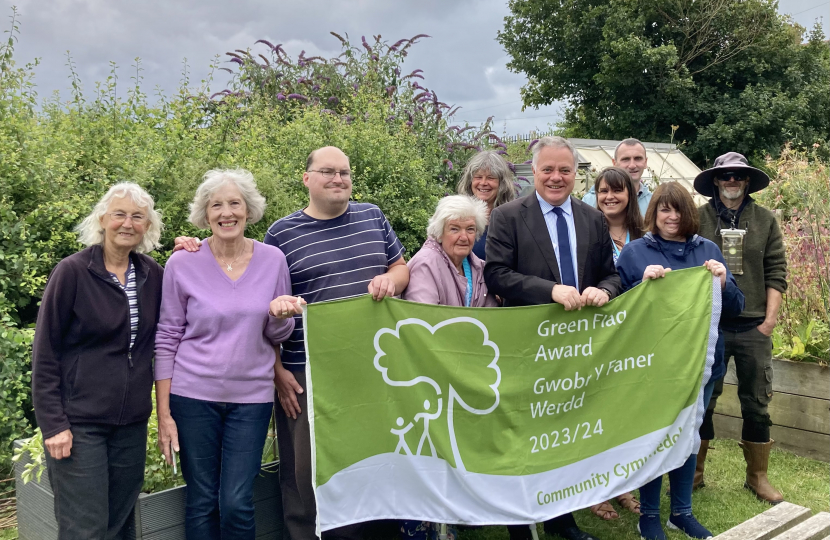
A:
(673, 244)
(92, 366)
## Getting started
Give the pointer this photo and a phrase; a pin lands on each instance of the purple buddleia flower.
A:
(365, 45)
(349, 119)
(390, 90)
(299, 97)
(524, 179)
(334, 100)
(534, 141)
(500, 145)
(528, 162)
(512, 167)
(355, 86)
(399, 43)
(409, 123)
(390, 118)
(301, 80)
(448, 163)
(391, 104)
(316, 87)
(397, 72)
(301, 62)
(281, 96)
(237, 60)
(264, 41)
(375, 57)
(502, 152)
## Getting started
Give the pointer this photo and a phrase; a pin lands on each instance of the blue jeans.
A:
(221, 452)
(680, 480)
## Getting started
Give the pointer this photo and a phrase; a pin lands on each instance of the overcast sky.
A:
(462, 61)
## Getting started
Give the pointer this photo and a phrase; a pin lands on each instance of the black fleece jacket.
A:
(82, 367)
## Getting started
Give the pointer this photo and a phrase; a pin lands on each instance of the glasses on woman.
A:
(121, 217)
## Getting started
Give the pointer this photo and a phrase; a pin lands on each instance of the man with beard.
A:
(753, 248)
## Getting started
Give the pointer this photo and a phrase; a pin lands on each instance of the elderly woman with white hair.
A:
(445, 271)
(487, 177)
(224, 311)
(92, 365)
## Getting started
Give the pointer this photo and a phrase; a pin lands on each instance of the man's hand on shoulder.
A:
(593, 296)
(567, 296)
(186, 243)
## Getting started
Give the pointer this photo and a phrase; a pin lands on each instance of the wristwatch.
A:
(606, 291)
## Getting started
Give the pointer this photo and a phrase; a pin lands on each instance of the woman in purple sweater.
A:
(224, 310)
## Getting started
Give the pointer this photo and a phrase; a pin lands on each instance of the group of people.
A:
(219, 329)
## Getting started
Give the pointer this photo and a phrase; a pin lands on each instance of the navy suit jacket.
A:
(521, 264)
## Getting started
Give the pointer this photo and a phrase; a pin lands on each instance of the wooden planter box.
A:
(800, 408)
(158, 516)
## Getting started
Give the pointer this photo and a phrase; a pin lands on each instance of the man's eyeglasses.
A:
(733, 176)
(328, 174)
(121, 217)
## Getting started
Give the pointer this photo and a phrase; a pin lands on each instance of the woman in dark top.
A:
(488, 178)
(672, 243)
(92, 366)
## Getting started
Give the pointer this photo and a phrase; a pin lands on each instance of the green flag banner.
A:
(503, 415)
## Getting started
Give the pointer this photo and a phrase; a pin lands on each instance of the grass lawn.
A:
(721, 505)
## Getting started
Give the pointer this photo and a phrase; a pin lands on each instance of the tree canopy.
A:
(731, 75)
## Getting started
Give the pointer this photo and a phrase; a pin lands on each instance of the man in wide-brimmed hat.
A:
(754, 250)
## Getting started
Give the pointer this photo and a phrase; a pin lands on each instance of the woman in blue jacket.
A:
(672, 243)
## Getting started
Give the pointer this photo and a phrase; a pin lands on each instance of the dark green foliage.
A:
(734, 76)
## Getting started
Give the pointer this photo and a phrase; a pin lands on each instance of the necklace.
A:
(616, 239)
(228, 264)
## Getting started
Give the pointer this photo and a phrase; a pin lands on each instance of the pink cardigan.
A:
(433, 279)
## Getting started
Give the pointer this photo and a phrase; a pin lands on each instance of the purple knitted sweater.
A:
(215, 338)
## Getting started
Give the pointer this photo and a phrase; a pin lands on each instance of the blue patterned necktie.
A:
(566, 264)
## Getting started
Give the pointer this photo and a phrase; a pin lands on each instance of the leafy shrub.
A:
(800, 191)
(57, 158)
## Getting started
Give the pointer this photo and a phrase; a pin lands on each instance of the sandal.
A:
(605, 511)
(629, 502)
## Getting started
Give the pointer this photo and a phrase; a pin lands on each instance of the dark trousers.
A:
(96, 487)
(221, 453)
(298, 504)
(752, 353)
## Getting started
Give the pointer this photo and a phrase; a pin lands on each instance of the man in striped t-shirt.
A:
(335, 249)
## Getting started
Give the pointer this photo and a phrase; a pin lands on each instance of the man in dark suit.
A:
(550, 247)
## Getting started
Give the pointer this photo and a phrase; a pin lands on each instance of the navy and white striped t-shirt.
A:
(129, 289)
(332, 259)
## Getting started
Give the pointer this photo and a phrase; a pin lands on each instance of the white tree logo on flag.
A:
(384, 362)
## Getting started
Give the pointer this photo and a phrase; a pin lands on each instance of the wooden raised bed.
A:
(158, 516)
(800, 408)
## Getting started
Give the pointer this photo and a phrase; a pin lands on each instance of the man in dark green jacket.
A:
(752, 244)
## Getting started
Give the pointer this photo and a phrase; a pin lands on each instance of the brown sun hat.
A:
(730, 161)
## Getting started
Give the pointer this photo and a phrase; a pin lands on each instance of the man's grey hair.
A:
(489, 161)
(554, 142)
(216, 178)
(629, 142)
(457, 207)
(91, 232)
